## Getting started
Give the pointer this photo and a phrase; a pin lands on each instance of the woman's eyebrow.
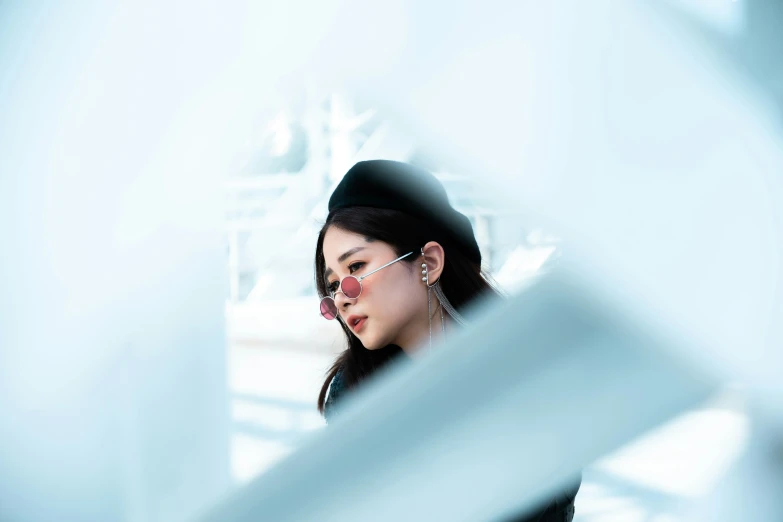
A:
(342, 258)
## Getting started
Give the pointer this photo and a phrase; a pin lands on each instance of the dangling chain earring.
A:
(425, 277)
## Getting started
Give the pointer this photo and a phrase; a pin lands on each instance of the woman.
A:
(396, 265)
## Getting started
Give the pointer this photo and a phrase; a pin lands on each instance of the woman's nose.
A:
(341, 301)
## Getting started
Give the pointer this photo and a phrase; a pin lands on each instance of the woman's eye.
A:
(334, 286)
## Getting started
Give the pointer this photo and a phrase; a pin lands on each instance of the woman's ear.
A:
(435, 257)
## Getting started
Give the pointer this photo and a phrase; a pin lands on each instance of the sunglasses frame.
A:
(361, 288)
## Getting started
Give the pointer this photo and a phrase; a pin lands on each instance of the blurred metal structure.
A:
(273, 218)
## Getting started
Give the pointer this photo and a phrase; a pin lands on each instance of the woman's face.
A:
(392, 308)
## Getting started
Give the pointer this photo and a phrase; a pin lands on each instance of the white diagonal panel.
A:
(486, 425)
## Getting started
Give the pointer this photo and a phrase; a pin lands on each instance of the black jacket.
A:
(559, 509)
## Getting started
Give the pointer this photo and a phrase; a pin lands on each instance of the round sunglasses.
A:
(351, 287)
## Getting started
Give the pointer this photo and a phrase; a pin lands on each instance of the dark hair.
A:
(462, 280)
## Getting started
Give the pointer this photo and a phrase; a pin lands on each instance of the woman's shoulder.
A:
(333, 395)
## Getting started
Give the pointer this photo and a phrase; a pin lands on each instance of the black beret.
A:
(400, 186)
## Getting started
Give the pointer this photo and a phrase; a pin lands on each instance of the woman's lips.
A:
(359, 325)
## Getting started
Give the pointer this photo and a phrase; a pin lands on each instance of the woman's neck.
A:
(419, 343)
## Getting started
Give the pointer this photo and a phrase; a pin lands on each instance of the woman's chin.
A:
(371, 343)
(371, 339)
(371, 346)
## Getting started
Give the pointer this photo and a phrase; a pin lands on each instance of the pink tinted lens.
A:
(351, 287)
(328, 308)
